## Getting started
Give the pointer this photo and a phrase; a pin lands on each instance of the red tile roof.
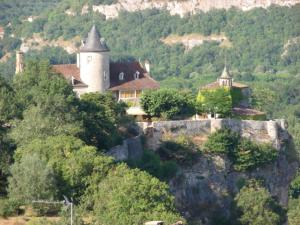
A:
(69, 71)
(129, 82)
(1, 29)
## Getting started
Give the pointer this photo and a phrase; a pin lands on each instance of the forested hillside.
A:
(39, 110)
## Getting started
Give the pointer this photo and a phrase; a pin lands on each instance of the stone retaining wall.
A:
(260, 131)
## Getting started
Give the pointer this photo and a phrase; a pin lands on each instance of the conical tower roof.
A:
(225, 73)
(94, 42)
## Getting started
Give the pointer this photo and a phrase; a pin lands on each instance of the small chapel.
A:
(241, 108)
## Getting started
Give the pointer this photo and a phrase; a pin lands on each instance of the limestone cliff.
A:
(209, 184)
(183, 7)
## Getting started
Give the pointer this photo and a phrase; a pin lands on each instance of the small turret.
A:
(19, 62)
(94, 62)
(225, 79)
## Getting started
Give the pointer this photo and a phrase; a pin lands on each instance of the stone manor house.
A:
(94, 72)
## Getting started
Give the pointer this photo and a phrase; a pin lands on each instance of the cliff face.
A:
(184, 7)
(209, 184)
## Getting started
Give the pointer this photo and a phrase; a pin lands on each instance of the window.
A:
(89, 59)
(121, 76)
(127, 94)
(105, 75)
(136, 75)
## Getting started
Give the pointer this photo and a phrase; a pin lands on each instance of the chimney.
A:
(19, 62)
(147, 66)
(78, 60)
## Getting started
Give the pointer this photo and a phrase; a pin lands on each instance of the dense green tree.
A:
(130, 196)
(257, 207)
(167, 103)
(72, 161)
(49, 104)
(101, 114)
(31, 179)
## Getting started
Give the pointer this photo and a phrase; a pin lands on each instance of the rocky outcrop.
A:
(208, 185)
(183, 7)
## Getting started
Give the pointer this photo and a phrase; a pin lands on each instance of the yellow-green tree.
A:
(214, 101)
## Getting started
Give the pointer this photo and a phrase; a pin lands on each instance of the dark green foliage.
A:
(236, 96)
(130, 196)
(294, 191)
(151, 163)
(8, 105)
(168, 103)
(101, 114)
(245, 154)
(257, 207)
(71, 160)
(180, 149)
(222, 141)
(249, 155)
(48, 103)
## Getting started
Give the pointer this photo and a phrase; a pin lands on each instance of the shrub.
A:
(223, 141)
(9, 207)
(250, 155)
(294, 191)
(152, 163)
(257, 207)
(244, 154)
(294, 211)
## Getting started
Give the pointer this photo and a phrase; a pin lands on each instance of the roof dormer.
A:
(121, 76)
(136, 75)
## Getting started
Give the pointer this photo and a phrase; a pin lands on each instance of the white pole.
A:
(71, 213)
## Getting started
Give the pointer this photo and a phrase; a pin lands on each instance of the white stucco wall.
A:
(94, 71)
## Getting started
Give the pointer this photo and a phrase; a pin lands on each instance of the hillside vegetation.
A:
(45, 127)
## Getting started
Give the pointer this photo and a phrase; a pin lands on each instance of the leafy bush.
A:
(223, 141)
(294, 190)
(294, 211)
(167, 103)
(257, 207)
(9, 207)
(244, 154)
(152, 163)
(250, 155)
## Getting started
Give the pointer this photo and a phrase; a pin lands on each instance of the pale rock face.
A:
(183, 8)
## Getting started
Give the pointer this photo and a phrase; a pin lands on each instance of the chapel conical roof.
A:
(94, 42)
(225, 73)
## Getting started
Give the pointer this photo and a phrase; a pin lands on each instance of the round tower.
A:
(94, 63)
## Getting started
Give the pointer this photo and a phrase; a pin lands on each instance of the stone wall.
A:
(260, 131)
(131, 148)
